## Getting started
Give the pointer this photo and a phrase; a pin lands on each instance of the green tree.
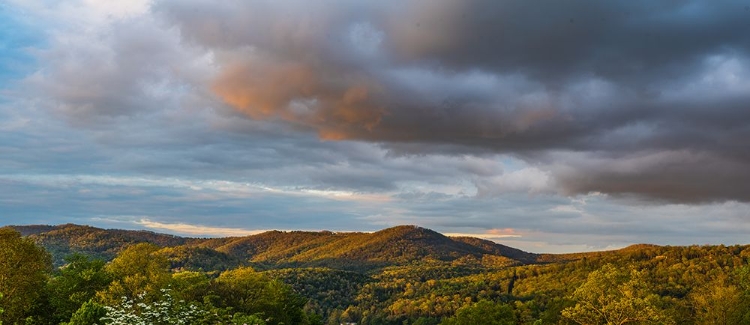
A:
(190, 285)
(90, 313)
(252, 293)
(718, 302)
(482, 312)
(77, 282)
(240, 319)
(742, 276)
(139, 269)
(24, 268)
(1, 309)
(614, 297)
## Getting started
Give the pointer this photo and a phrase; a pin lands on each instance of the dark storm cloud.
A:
(377, 71)
(574, 88)
(610, 81)
(680, 176)
(553, 40)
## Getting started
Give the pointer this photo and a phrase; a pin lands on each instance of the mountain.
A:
(63, 240)
(354, 251)
(413, 275)
(400, 245)
(501, 250)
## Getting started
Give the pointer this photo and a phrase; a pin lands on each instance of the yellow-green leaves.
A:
(616, 297)
(24, 268)
(137, 270)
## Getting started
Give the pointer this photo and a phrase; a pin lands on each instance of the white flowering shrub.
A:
(164, 311)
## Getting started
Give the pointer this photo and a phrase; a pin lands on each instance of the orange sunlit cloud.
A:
(503, 232)
(491, 234)
(296, 93)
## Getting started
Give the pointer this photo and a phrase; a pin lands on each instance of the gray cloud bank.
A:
(632, 98)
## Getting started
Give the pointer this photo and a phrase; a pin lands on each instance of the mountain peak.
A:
(409, 231)
(399, 245)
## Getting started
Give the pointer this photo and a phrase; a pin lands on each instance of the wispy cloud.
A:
(195, 230)
(229, 188)
(491, 234)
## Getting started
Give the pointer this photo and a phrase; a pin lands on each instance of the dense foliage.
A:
(148, 283)
(359, 252)
(24, 268)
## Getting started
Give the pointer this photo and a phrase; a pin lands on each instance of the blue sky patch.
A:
(17, 36)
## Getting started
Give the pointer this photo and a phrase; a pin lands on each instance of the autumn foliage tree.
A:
(249, 292)
(483, 312)
(137, 270)
(24, 269)
(720, 302)
(615, 297)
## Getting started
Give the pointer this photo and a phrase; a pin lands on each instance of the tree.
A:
(189, 285)
(24, 268)
(240, 319)
(139, 269)
(718, 302)
(77, 282)
(483, 312)
(252, 293)
(613, 297)
(90, 313)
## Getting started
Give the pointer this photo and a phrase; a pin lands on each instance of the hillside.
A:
(401, 245)
(63, 240)
(399, 275)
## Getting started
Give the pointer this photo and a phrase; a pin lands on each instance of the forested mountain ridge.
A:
(63, 240)
(354, 251)
(400, 275)
(401, 245)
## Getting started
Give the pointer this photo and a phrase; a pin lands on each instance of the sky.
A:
(550, 126)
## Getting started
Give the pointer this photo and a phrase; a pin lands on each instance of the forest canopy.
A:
(151, 283)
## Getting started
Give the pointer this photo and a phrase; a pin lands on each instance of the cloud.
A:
(583, 80)
(196, 230)
(677, 176)
(498, 76)
(629, 118)
(492, 234)
(107, 62)
(528, 180)
(262, 88)
(592, 222)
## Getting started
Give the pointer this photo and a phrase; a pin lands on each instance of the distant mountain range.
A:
(353, 251)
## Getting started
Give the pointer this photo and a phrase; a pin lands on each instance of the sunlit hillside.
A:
(400, 275)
